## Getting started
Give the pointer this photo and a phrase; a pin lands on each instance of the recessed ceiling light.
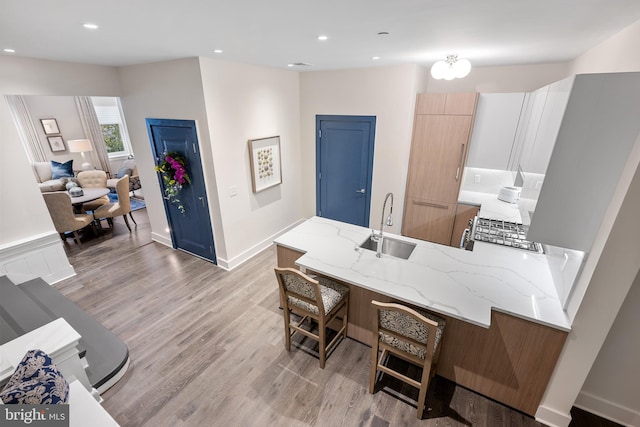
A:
(90, 26)
(375, 58)
(383, 33)
(322, 38)
(217, 51)
(298, 64)
(10, 50)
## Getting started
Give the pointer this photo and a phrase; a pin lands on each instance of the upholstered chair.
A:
(412, 335)
(95, 179)
(121, 207)
(318, 299)
(64, 220)
(128, 168)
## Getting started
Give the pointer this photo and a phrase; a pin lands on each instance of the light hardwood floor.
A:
(206, 348)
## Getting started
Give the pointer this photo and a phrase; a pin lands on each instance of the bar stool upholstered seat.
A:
(319, 299)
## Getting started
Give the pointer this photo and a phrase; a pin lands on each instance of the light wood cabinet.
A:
(428, 220)
(463, 214)
(437, 157)
(463, 103)
(441, 133)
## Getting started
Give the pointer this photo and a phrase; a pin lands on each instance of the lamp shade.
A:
(79, 145)
(451, 68)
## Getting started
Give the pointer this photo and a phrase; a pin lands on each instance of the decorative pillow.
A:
(61, 170)
(36, 381)
(123, 171)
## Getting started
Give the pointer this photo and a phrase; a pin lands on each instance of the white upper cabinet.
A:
(553, 102)
(528, 124)
(596, 135)
(494, 130)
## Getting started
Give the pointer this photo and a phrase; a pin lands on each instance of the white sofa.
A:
(42, 171)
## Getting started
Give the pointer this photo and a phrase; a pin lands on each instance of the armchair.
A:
(64, 220)
(128, 168)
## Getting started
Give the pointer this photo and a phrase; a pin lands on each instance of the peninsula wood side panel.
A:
(287, 257)
(510, 362)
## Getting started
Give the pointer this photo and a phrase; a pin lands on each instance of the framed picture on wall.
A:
(50, 126)
(56, 143)
(266, 168)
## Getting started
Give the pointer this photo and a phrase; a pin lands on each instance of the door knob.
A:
(361, 191)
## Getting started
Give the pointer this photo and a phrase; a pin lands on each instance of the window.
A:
(114, 128)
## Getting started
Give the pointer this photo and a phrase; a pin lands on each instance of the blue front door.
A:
(191, 230)
(344, 165)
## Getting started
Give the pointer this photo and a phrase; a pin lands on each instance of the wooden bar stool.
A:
(411, 335)
(319, 299)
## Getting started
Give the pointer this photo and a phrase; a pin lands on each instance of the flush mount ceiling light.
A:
(218, 51)
(10, 50)
(90, 26)
(323, 38)
(451, 68)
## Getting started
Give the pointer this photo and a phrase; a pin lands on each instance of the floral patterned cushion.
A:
(36, 381)
(331, 292)
(407, 326)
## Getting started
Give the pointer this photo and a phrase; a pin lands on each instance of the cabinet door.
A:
(494, 130)
(437, 158)
(430, 221)
(463, 214)
(430, 103)
(550, 120)
(528, 129)
(463, 103)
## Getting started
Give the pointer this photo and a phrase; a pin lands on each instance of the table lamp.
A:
(81, 146)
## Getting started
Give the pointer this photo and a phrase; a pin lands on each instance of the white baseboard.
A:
(163, 240)
(607, 409)
(254, 250)
(41, 255)
(552, 418)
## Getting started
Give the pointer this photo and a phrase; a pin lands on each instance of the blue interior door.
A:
(344, 164)
(191, 231)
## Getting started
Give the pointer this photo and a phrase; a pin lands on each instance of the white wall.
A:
(517, 78)
(63, 109)
(389, 94)
(612, 388)
(246, 102)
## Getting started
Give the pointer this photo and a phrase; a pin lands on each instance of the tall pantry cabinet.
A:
(441, 133)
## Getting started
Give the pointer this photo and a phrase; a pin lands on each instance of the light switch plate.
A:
(233, 191)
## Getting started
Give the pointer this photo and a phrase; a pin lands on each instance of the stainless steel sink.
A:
(392, 247)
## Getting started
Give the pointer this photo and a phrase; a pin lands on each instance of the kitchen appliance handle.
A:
(433, 205)
(463, 239)
(460, 161)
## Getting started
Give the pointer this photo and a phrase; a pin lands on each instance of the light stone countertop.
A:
(493, 208)
(463, 284)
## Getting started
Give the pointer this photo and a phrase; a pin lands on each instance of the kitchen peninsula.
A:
(505, 324)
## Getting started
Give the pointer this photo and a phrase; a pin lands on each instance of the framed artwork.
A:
(266, 168)
(56, 143)
(50, 126)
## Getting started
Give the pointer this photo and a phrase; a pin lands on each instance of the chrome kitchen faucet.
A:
(389, 223)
